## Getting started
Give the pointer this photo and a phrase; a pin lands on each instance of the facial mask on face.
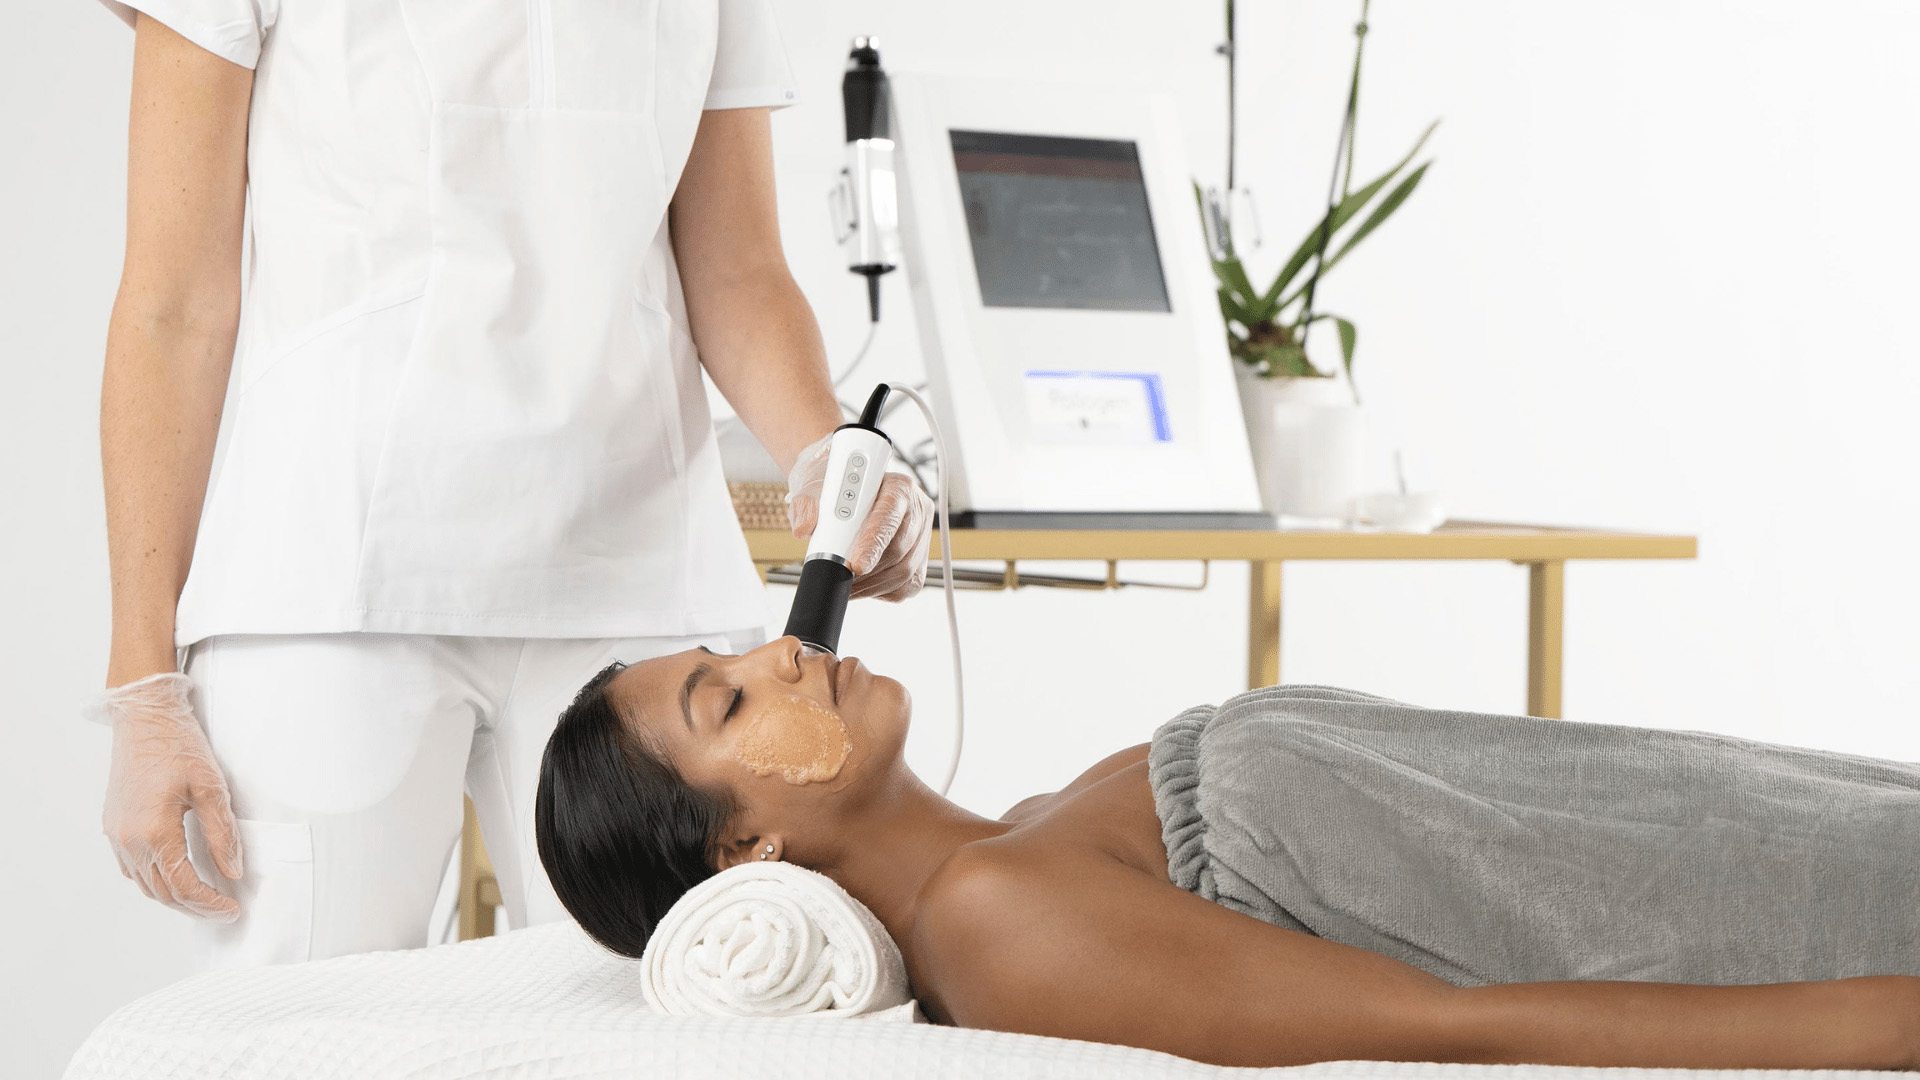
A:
(797, 738)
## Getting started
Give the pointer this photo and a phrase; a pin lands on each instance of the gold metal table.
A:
(1544, 550)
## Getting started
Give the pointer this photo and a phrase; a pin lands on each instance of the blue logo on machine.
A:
(1097, 407)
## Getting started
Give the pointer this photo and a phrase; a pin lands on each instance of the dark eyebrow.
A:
(686, 691)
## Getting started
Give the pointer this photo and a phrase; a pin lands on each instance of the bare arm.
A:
(1096, 950)
(757, 336)
(170, 337)
(1863, 1023)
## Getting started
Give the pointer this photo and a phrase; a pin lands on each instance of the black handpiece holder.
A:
(865, 94)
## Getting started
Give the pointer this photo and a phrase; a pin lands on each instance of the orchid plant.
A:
(1267, 327)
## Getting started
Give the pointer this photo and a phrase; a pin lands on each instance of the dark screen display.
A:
(1059, 222)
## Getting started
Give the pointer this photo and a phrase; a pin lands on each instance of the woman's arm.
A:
(170, 337)
(1862, 1023)
(757, 336)
(1087, 948)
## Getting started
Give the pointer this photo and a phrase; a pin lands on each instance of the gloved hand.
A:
(889, 556)
(162, 767)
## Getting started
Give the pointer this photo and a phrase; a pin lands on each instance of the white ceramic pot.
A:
(1309, 443)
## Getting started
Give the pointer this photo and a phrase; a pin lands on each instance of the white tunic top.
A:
(467, 399)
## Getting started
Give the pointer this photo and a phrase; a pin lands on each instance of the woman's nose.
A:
(781, 657)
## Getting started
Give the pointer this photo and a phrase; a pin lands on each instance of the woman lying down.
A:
(1298, 874)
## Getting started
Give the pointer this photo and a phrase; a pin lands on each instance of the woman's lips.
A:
(841, 674)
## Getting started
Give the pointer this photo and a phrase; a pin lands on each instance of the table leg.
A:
(1546, 602)
(479, 892)
(1263, 623)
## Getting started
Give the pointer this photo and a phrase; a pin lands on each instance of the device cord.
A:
(946, 581)
(866, 346)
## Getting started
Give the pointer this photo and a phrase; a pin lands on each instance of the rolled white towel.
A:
(773, 939)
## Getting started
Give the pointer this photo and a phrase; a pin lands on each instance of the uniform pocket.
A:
(275, 892)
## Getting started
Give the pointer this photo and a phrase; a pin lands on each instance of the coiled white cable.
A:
(946, 579)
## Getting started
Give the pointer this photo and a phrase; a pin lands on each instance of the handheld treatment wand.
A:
(856, 463)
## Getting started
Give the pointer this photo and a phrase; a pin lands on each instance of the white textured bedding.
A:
(545, 1002)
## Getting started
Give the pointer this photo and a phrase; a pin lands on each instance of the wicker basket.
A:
(759, 504)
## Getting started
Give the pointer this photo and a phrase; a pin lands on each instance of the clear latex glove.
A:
(889, 556)
(805, 481)
(163, 767)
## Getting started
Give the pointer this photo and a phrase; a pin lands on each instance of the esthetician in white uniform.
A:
(470, 460)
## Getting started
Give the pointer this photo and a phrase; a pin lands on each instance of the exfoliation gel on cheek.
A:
(797, 738)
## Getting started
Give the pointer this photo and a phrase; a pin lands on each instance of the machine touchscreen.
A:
(1058, 222)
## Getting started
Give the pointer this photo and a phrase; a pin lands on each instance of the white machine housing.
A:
(1078, 414)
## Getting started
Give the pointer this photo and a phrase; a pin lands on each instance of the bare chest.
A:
(1113, 817)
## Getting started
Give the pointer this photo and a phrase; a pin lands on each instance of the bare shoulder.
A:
(1078, 944)
(1107, 766)
(997, 916)
(967, 915)
(1039, 804)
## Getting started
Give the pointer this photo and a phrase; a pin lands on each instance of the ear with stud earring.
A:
(767, 852)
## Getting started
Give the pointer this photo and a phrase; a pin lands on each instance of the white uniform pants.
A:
(346, 755)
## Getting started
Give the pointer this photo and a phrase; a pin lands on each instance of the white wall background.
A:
(1660, 276)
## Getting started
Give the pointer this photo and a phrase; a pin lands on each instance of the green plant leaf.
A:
(1341, 214)
(1230, 311)
(1234, 277)
(1237, 299)
(1246, 313)
(1380, 213)
(1348, 335)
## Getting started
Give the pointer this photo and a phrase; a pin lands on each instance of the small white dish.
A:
(1414, 512)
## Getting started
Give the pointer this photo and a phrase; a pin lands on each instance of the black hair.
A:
(621, 833)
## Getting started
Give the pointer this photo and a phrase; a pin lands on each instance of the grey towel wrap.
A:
(1173, 769)
(1492, 849)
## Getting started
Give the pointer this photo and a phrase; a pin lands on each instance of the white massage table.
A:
(546, 1002)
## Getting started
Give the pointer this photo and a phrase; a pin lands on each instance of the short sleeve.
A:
(749, 64)
(232, 29)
